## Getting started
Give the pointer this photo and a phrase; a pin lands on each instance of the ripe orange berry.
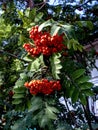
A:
(43, 86)
(44, 43)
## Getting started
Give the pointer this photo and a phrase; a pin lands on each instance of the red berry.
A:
(96, 52)
(11, 93)
(43, 86)
(44, 43)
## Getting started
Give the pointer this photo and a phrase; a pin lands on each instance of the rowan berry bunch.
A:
(43, 86)
(44, 43)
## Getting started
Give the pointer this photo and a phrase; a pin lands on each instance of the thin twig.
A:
(39, 4)
(45, 1)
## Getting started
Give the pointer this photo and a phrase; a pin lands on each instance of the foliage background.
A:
(22, 110)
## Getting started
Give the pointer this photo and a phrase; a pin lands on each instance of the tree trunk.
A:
(87, 118)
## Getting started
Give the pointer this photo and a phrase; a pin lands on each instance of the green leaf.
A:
(20, 13)
(27, 12)
(21, 95)
(87, 92)
(38, 17)
(86, 85)
(80, 48)
(23, 76)
(68, 44)
(45, 24)
(44, 121)
(57, 61)
(41, 61)
(20, 90)
(87, 24)
(35, 108)
(78, 73)
(55, 29)
(69, 91)
(2, 32)
(28, 58)
(74, 44)
(90, 25)
(19, 125)
(1, 77)
(36, 104)
(75, 95)
(19, 83)
(50, 114)
(55, 65)
(34, 66)
(17, 101)
(4, 29)
(53, 109)
(82, 98)
(58, 66)
(32, 14)
(82, 79)
(68, 31)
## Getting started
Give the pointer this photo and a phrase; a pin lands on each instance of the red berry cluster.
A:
(43, 86)
(96, 52)
(44, 43)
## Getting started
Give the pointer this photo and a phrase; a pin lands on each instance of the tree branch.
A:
(12, 55)
(43, 4)
(78, 6)
(30, 3)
